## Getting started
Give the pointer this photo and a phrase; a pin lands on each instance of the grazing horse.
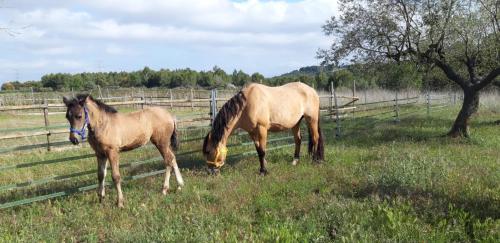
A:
(258, 109)
(110, 132)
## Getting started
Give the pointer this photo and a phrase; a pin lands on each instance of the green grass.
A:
(382, 181)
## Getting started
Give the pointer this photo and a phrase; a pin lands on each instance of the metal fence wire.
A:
(334, 108)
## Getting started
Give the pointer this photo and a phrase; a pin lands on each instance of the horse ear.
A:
(83, 99)
(205, 144)
(66, 100)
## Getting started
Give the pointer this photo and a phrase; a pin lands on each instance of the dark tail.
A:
(310, 145)
(320, 150)
(174, 143)
(319, 154)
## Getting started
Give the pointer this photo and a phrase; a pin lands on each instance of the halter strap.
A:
(81, 131)
(220, 151)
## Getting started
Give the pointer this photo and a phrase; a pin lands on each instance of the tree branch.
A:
(488, 79)
(450, 73)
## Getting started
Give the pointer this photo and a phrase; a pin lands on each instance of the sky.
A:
(72, 36)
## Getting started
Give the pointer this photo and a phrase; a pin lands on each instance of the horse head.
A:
(215, 155)
(77, 116)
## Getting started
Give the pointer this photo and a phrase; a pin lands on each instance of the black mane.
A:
(229, 110)
(100, 104)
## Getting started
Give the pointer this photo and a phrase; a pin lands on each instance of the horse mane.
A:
(228, 111)
(100, 104)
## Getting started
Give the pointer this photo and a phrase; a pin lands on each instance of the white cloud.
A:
(252, 15)
(6, 64)
(30, 64)
(55, 50)
(289, 32)
(114, 50)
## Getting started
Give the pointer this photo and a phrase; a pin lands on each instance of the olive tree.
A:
(459, 37)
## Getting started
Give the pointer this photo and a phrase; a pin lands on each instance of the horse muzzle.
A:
(73, 139)
(213, 171)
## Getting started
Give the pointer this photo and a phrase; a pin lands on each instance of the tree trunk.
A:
(470, 106)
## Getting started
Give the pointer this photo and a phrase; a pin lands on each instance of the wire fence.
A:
(18, 190)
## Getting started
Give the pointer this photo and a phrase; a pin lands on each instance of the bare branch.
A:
(450, 73)
(488, 79)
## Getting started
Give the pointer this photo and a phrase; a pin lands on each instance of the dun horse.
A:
(258, 109)
(110, 132)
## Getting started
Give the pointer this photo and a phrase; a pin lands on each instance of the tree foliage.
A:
(143, 78)
(459, 37)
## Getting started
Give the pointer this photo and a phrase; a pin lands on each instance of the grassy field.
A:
(383, 181)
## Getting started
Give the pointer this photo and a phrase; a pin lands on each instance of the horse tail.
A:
(320, 148)
(311, 143)
(174, 143)
(319, 153)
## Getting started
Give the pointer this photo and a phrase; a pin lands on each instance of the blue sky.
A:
(270, 37)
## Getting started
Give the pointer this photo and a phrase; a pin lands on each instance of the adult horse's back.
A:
(258, 109)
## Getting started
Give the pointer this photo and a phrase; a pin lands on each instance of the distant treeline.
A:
(388, 76)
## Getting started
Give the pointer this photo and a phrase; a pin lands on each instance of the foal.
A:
(110, 132)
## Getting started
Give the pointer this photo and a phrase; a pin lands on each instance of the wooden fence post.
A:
(354, 88)
(365, 95)
(396, 108)
(213, 105)
(331, 100)
(407, 95)
(32, 96)
(337, 117)
(100, 93)
(353, 95)
(192, 97)
(428, 103)
(171, 99)
(46, 118)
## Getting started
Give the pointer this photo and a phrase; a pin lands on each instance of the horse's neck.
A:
(233, 124)
(96, 116)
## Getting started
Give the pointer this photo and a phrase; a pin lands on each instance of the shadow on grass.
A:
(376, 131)
(69, 187)
(430, 202)
(490, 123)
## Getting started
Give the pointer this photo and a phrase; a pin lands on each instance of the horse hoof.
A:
(295, 161)
(120, 205)
(179, 188)
(164, 191)
(263, 172)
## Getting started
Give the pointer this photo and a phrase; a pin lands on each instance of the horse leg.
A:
(298, 139)
(260, 141)
(171, 163)
(102, 164)
(115, 169)
(177, 172)
(312, 124)
(168, 167)
(166, 183)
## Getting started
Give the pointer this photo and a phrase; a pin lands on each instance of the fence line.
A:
(335, 109)
(339, 111)
(58, 178)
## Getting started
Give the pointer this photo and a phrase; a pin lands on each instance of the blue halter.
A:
(81, 131)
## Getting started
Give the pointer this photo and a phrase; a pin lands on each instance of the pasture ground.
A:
(383, 182)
